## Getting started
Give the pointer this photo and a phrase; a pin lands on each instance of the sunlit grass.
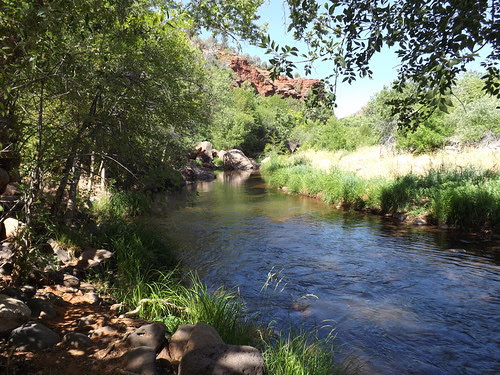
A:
(464, 198)
(301, 353)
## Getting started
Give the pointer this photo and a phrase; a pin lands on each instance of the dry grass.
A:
(377, 161)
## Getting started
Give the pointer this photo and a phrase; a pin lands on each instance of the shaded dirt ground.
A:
(75, 315)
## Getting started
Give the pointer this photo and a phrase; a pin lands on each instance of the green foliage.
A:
(122, 204)
(227, 18)
(335, 187)
(473, 118)
(472, 206)
(249, 122)
(430, 135)
(346, 134)
(478, 120)
(218, 161)
(300, 353)
(433, 51)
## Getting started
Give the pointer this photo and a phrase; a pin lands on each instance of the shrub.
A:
(428, 136)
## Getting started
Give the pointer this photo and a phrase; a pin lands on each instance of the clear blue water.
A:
(403, 300)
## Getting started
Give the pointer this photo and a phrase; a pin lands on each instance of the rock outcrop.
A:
(236, 159)
(296, 88)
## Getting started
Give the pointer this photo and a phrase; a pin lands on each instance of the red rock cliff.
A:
(286, 87)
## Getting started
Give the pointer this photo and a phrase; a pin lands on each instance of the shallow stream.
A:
(402, 299)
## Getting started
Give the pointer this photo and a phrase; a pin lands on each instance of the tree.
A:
(235, 19)
(434, 40)
(112, 80)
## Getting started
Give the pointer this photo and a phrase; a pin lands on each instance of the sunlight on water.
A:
(403, 300)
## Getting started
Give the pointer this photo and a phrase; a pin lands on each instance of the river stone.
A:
(104, 331)
(192, 172)
(53, 298)
(140, 360)
(6, 251)
(189, 337)
(15, 293)
(32, 337)
(77, 340)
(71, 281)
(13, 313)
(92, 298)
(223, 360)
(150, 335)
(28, 290)
(42, 308)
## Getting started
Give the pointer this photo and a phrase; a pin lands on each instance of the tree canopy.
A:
(433, 39)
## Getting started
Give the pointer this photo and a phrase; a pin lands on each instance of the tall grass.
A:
(301, 353)
(468, 199)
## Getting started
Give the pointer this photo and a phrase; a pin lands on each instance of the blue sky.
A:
(350, 97)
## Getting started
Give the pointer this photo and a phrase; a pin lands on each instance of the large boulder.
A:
(150, 335)
(76, 340)
(42, 308)
(190, 337)
(236, 159)
(58, 251)
(223, 360)
(11, 227)
(32, 337)
(13, 313)
(140, 360)
(206, 149)
(95, 256)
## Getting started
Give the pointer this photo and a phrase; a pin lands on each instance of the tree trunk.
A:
(73, 190)
(36, 174)
(103, 175)
(91, 174)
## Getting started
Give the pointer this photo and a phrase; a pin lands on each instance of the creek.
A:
(402, 299)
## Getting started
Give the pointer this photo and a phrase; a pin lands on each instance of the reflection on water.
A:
(405, 300)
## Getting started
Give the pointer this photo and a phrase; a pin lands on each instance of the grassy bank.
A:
(143, 277)
(465, 198)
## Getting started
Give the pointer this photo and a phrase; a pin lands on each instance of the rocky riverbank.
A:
(58, 324)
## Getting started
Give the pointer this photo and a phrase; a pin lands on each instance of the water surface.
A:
(404, 300)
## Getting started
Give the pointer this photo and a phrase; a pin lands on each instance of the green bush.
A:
(346, 134)
(428, 136)
(478, 120)
(468, 199)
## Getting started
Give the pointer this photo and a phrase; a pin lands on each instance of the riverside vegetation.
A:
(165, 294)
(124, 89)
